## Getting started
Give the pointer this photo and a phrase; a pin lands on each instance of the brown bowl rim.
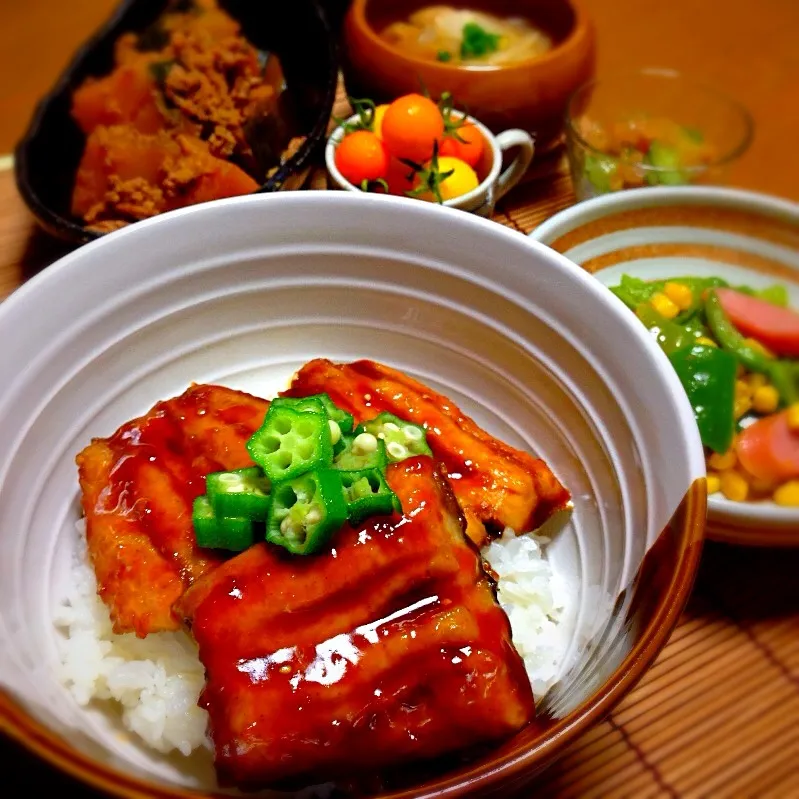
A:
(725, 533)
(580, 33)
(21, 727)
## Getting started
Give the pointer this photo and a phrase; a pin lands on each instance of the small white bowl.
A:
(744, 237)
(242, 292)
(497, 183)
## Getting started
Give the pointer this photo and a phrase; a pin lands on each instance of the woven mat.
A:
(716, 716)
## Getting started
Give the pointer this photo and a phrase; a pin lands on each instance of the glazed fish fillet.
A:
(137, 491)
(497, 486)
(387, 649)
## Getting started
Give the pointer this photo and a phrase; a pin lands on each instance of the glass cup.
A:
(652, 128)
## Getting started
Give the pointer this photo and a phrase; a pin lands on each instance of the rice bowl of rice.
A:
(241, 293)
(156, 681)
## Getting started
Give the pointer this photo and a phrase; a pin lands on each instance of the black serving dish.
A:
(336, 11)
(297, 32)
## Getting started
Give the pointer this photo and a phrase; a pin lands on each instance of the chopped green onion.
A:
(321, 403)
(305, 512)
(477, 41)
(313, 474)
(367, 494)
(291, 442)
(220, 532)
(402, 439)
(362, 451)
(240, 493)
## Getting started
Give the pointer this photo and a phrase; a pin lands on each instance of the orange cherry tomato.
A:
(469, 150)
(411, 126)
(361, 156)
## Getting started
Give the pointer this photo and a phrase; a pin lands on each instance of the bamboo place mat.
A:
(718, 713)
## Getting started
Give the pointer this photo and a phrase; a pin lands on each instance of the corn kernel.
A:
(788, 494)
(706, 342)
(766, 399)
(758, 347)
(756, 380)
(713, 483)
(616, 181)
(664, 306)
(792, 417)
(679, 294)
(740, 371)
(720, 462)
(742, 389)
(734, 486)
(742, 406)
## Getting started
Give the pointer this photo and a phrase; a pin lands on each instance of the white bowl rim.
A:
(72, 266)
(720, 510)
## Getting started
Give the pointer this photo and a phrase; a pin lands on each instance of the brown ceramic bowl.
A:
(243, 291)
(531, 95)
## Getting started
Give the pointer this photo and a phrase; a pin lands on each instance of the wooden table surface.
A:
(718, 714)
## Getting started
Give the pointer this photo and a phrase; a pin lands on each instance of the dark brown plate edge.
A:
(64, 228)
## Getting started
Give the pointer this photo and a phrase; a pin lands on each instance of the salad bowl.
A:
(741, 239)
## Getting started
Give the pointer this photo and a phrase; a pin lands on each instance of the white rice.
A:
(156, 681)
(536, 600)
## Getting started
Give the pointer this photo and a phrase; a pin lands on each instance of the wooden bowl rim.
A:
(578, 40)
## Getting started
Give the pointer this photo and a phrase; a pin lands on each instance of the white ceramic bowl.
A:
(242, 292)
(744, 237)
(498, 181)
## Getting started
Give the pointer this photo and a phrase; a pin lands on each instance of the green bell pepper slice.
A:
(368, 494)
(403, 439)
(730, 339)
(670, 335)
(242, 493)
(634, 292)
(783, 374)
(304, 513)
(220, 532)
(708, 377)
(290, 442)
